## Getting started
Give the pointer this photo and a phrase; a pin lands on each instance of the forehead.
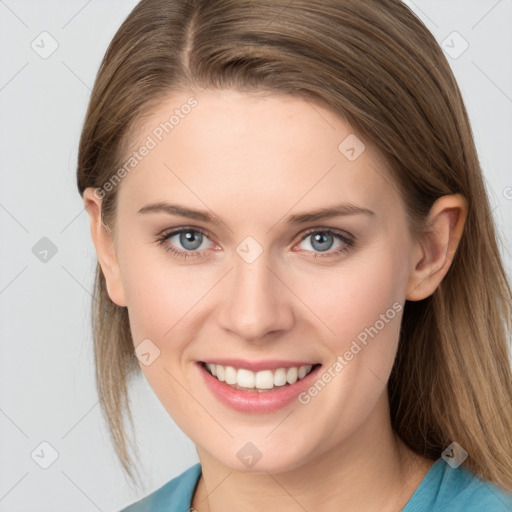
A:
(252, 149)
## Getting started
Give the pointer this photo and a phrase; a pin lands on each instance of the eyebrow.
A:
(300, 218)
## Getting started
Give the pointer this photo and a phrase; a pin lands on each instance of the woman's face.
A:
(268, 286)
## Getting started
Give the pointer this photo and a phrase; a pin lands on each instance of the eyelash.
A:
(349, 242)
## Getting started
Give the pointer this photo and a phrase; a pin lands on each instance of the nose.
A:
(255, 301)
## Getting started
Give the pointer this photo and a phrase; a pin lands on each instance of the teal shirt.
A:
(443, 489)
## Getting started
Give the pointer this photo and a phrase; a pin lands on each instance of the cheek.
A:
(351, 298)
(159, 292)
(164, 313)
(163, 303)
(360, 307)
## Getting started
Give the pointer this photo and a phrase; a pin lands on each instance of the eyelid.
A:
(168, 233)
(178, 229)
(346, 238)
(336, 231)
(172, 231)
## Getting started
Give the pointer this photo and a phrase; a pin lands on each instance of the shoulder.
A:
(468, 492)
(175, 495)
(457, 490)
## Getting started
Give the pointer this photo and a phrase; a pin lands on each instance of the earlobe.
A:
(105, 248)
(434, 254)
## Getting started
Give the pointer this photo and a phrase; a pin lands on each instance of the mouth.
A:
(267, 388)
(266, 380)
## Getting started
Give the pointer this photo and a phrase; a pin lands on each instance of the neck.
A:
(370, 470)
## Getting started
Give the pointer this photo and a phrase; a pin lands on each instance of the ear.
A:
(105, 247)
(433, 255)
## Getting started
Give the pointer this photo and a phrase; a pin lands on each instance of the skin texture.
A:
(252, 160)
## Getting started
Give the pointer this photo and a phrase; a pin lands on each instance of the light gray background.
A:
(47, 390)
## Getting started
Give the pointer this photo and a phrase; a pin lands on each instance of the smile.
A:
(265, 380)
(266, 388)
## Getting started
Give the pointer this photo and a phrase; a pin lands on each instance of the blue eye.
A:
(322, 241)
(191, 239)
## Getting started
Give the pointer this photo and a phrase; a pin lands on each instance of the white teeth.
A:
(230, 374)
(262, 380)
(292, 375)
(245, 378)
(220, 373)
(302, 372)
(280, 377)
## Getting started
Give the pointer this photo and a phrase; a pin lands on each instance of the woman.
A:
(296, 249)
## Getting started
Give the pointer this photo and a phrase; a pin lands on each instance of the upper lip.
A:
(271, 364)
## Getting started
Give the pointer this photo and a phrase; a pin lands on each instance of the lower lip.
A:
(254, 401)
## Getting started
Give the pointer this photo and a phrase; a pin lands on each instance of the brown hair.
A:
(375, 64)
